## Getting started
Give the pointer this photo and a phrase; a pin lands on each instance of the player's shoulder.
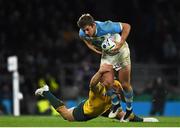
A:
(103, 23)
(109, 26)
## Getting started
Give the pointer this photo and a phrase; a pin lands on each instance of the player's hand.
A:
(116, 49)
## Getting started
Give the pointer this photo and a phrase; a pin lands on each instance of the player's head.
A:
(84, 20)
(87, 24)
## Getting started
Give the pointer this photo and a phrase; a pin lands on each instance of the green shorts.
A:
(78, 113)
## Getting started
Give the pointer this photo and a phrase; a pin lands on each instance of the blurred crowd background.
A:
(44, 36)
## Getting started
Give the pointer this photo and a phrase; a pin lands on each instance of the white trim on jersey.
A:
(120, 25)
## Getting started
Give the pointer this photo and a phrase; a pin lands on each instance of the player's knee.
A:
(69, 119)
(66, 115)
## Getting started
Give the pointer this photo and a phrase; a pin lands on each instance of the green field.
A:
(55, 121)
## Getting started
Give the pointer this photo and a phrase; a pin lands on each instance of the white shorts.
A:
(119, 60)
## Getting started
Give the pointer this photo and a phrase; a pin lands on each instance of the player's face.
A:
(89, 30)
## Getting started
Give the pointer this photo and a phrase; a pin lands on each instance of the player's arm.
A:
(97, 77)
(125, 27)
(92, 47)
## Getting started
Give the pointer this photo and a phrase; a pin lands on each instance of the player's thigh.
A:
(108, 77)
(124, 74)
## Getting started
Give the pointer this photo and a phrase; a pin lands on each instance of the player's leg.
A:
(66, 113)
(124, 77)
(55, 102)
(108, 80)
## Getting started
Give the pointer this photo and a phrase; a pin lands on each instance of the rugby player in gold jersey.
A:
(97, 104)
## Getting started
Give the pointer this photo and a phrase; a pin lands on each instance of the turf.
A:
(55, 121)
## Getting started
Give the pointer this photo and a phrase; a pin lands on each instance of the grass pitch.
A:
(55, 121)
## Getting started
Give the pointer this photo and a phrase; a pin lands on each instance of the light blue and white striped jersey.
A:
(102, 30)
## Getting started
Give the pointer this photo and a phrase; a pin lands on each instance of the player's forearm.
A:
(97, 51)
(92, 47)
(95, 79)
(125, 32)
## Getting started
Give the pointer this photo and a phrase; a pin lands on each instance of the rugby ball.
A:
(116, 37)
(110, 42)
